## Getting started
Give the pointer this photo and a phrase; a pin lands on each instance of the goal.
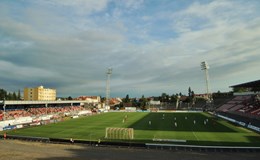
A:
(119, 133)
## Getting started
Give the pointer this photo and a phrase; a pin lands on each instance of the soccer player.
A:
(5, 136)
(71, 141)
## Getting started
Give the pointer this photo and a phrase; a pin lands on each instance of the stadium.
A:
(231, 125)
(57, 58)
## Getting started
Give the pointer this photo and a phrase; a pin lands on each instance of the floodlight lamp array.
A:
(204, 65)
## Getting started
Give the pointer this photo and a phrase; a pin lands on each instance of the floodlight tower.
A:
(204, 66)
(109, 72)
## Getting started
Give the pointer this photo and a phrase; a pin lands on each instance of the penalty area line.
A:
(195, 135)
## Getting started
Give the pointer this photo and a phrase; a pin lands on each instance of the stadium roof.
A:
(253, 84)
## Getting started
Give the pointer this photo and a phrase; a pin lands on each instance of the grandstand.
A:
(244, 106)
(28, 113)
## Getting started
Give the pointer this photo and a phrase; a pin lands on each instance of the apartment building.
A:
(39, 94)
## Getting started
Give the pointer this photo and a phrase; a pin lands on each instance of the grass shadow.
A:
(189, 122)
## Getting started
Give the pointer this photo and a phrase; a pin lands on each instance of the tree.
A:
(9, 96)
(19, 95)
(127, 100)
(173, 98)
(3, 94)
(135, 103)
(164, 97)
(143, 102)
(192, 94)
(193, 98)
(14, 97)
(189, 92)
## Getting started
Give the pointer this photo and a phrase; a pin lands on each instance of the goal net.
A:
(119, 133)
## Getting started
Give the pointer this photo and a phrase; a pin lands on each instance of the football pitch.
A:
(193, 128)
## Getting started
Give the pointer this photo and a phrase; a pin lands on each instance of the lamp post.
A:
(46, 105)
(178, 101)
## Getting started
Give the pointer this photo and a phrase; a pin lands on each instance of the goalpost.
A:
(119, 133)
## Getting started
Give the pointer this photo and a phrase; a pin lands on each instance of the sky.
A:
(152, 46)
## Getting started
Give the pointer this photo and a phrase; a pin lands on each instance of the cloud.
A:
(216, 13)
(79, 6)
(228, 38)
(69, 45)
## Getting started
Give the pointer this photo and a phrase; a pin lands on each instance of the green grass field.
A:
(215, 132)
